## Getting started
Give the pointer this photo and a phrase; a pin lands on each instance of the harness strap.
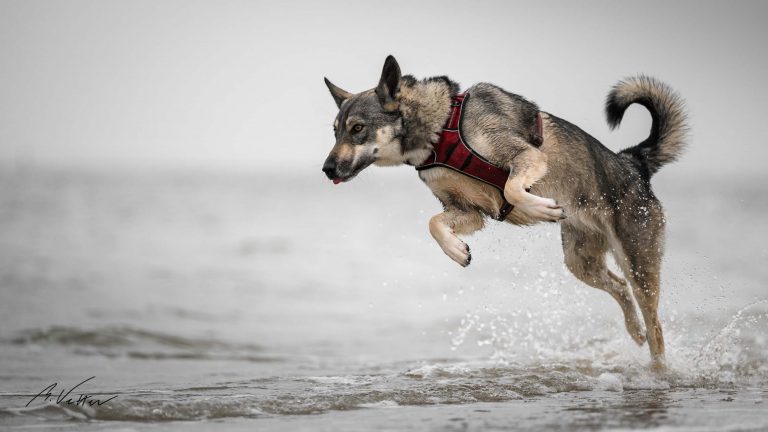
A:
(537, 136)
(452, 152)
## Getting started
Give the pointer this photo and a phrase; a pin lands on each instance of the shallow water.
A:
(279, 302)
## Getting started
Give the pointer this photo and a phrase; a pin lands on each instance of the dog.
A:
(608, 198)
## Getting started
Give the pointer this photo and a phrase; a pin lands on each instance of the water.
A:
(279, 302)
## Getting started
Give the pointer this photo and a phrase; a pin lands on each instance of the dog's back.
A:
(582, 174)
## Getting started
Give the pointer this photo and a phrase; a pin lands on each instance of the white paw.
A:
(457, 250)
(545, 209)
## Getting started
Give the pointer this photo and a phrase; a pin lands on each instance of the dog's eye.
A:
(357, 128)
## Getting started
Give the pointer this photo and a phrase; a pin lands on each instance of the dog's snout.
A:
(329, 168)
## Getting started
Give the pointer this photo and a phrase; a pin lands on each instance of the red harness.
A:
(454, 153)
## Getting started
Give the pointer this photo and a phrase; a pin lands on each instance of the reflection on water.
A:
(646, 408)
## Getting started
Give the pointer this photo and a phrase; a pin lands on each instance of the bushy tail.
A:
(669, 129)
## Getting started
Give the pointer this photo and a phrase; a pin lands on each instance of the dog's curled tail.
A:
(669, 129)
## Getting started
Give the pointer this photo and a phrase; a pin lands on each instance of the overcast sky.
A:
(228, 83)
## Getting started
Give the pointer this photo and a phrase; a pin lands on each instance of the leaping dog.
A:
(490, 153)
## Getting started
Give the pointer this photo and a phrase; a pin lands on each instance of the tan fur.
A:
(446, 225)
(346, 151)
(387, 147)
(449, 185)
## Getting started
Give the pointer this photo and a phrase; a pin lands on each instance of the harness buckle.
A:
(505, 210)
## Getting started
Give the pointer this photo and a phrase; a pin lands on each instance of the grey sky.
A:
(240, 83)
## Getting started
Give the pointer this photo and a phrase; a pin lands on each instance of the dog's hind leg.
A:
(641, 239)
(585, 258)
(527, 168)
(445, 226)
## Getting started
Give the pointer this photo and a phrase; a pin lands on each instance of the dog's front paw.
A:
(545, 209)
(457, 250)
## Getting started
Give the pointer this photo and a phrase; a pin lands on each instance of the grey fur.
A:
(610, 205)
(338, 94)
(668, 131)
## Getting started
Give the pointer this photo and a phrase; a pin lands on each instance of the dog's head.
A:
(368, 127)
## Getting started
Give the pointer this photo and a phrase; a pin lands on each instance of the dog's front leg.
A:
(526, 169)
(445, 226)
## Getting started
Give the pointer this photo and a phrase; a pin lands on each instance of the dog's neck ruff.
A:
(453, 152)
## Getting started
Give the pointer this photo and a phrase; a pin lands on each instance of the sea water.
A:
(276, 301)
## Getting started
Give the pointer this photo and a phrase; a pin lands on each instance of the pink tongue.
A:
(337, 180)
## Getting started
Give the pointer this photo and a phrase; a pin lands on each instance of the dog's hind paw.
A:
(639, 338)
(635, 330)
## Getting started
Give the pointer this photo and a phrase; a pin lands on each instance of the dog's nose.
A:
(329, 168)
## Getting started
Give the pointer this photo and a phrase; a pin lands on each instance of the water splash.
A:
(737, 354)
(739, 351)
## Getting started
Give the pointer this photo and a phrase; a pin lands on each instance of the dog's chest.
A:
(456, 190)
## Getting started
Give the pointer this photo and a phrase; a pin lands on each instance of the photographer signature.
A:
(64, 396)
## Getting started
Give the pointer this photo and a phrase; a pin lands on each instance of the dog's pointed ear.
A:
(389, 84)
(338, 94)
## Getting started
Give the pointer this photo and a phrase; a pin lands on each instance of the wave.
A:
(424, 384)
(140, 344)
(734, 358)
(116, 336)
